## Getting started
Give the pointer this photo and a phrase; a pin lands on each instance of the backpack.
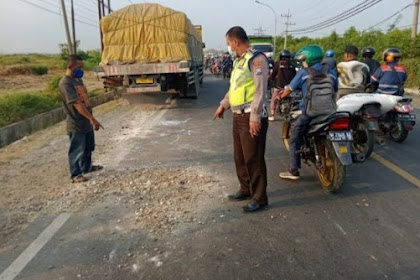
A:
(320, 93)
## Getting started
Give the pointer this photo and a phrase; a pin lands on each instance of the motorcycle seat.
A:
(319, 119)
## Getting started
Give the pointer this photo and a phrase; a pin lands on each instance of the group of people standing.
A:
(248, 85)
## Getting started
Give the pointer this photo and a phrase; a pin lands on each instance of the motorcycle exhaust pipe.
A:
(360, 157)
(381, 141)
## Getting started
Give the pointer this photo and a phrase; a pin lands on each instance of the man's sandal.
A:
(79, 179)
(95, 168)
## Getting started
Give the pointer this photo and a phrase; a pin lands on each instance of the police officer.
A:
(368, 59)
(246, 99)
(390, 78)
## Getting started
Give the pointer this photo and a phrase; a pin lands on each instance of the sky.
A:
(25, 28)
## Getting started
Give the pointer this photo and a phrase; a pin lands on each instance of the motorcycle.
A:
(215, 69)
(227, 72)
(326, 145)
(365, 110)
(399, 120)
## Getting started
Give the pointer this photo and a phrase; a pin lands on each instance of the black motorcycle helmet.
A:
(392, 55)
(285, 55)
(368, 52)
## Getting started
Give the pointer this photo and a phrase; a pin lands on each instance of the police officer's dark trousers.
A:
(249, 158)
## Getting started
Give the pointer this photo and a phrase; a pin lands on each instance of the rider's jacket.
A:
(283, 73)
(389, 80)
(372, 63)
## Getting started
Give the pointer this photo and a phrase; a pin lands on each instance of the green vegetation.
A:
(21, 105)
(18, 105)
(377, 39)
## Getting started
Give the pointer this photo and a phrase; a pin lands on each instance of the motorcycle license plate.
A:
(337, 136)
(406, 117)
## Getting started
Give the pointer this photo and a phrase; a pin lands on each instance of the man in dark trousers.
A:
(283, 74)
(80, 121)
(245, 97)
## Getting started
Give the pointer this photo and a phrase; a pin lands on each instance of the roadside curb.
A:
(18, 130)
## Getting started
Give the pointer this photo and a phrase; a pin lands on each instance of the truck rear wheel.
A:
(194, 90)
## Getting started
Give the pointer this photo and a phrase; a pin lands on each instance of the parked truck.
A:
(149, 48)
(262, 43)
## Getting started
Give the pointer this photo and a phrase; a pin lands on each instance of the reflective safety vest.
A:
(242, 87)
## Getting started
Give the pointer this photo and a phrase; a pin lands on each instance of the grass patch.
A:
(18, 106)
(39, 70)
(32, 60)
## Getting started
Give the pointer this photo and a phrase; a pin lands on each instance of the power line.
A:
(54, 12)
(89, 19)
(355, 10)
(388, 18)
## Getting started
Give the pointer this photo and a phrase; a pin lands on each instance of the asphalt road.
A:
(370, 230)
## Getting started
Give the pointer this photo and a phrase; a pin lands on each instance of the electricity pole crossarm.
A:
(287, 23)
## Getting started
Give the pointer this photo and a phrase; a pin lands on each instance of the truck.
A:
(262, 43)
(149, 48)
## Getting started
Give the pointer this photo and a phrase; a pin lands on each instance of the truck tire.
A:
(194, 91)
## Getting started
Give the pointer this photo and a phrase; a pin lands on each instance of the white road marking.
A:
(340, 228)
(30, 252)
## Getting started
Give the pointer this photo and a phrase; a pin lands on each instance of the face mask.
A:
(232, 53)
(78, 73)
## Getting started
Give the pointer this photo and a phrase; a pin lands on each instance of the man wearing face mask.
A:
(80, 121)
(245, 97)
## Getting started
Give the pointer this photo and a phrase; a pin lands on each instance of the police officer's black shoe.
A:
(238, 196)
(253, 207)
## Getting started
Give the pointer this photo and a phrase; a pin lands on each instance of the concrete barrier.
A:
(16, 131)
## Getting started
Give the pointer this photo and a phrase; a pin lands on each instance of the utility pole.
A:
(287, 23)
(415, 20)
(103, 7)
(100, 17)
(66, 26)
(109, 6)
(73, 26)
(275, 24)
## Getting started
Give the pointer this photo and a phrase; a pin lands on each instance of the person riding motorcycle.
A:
(283, 73)
(391, 77)
(226, 64)
(330, 60)
(368, 59)
(353, 76)
(310, 56)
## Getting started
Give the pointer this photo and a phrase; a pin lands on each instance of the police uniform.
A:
(248, 84)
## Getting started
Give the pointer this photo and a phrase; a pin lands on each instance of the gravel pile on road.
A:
(161, 198)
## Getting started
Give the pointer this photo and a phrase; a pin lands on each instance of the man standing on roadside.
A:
(246, 99)
(80, 121)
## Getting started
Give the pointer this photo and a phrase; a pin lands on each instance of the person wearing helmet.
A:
(309, 56)
(353, 75)
(283, 73)
(330, 60)
(368, 59)
(391, 77)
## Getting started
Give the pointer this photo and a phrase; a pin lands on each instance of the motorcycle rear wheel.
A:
(399, 134)
(331, 173)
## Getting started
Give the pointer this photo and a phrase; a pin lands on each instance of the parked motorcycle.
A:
(399, 121)
(326, 145)
(365, 110)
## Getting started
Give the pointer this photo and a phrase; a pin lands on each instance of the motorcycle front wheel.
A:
(286, 133)
(331, 172)
(398, 133)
